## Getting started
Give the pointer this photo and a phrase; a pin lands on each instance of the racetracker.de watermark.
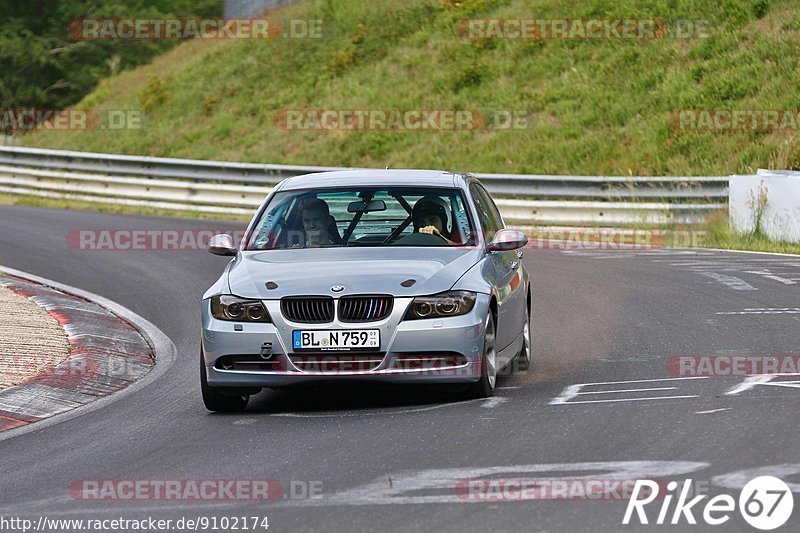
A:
(686, 120)
(581, 29)
(25, 367)
(610, 239)
(73, 371)
(400, 119)
(27, 120)
(732, 366)
(440, 364)
(143, 29)
(129, 240)
(528, 489)
(133, 490)
(539, 239)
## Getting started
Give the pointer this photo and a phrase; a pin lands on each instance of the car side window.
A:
(488, 214)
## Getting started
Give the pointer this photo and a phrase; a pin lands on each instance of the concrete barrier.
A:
(768, 202)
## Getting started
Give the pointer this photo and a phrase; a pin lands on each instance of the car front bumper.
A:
(442, 350)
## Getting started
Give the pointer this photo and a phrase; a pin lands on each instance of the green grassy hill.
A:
(594, 107)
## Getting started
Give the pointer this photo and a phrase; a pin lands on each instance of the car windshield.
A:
(364, 216)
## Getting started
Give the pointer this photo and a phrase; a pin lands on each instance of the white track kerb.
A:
(163, 349)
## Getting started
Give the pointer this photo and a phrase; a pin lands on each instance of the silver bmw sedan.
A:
(388, 275)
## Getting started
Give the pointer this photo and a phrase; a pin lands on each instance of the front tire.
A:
(213, 397)
(525, 355)
(484, 387)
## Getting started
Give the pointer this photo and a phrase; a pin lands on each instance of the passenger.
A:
(430, 216)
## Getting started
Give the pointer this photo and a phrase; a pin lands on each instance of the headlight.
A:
(231, 308)
(452, 303)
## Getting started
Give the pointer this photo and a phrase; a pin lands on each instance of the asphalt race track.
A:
(388, 458)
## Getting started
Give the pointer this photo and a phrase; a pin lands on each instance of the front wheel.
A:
(484, 387)
(213, 397)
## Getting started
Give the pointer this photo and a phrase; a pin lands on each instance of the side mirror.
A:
(507, 239)
(221, 244)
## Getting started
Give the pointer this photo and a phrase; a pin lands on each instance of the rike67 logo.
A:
(765, 503)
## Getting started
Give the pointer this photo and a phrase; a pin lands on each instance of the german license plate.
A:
(336, 340)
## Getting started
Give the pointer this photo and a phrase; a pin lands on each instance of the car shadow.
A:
(342, 398)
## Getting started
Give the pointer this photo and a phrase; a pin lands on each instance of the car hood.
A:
(358, 270)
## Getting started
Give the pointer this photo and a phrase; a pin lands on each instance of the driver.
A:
(430, 216)
(316, 219)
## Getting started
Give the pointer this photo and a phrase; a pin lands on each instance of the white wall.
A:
(781, 214)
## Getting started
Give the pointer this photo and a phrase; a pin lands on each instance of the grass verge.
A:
(590, 107)
(720, 235)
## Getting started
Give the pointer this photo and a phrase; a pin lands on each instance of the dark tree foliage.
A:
(43, 67)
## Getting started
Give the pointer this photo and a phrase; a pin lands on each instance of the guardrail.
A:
(237, 188)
